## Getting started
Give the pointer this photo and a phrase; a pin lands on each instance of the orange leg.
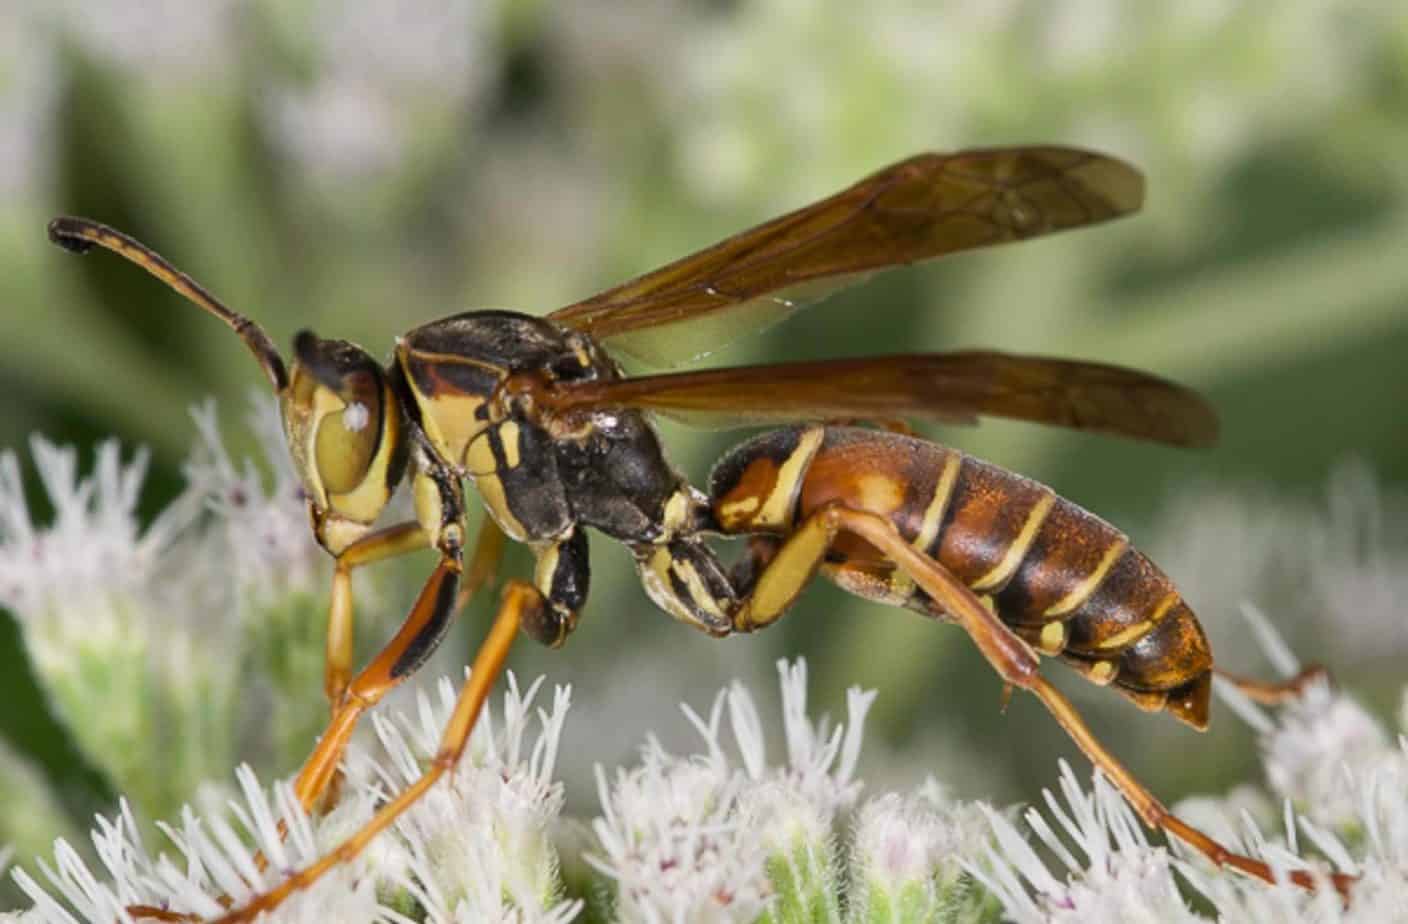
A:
(382, 544)
(431, 615)
(416, 639)
(519, 599)
(1275, 693)
(1015, 662)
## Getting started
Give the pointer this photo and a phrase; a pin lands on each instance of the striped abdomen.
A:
(1061, 577)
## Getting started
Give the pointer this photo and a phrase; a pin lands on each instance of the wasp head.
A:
(343, 424)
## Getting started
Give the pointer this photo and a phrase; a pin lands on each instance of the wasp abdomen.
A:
(1063, 578)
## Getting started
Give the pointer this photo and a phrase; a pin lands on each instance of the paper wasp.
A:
(544, 424)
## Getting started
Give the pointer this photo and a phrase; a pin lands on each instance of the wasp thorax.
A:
(467, 374)
(344, 427)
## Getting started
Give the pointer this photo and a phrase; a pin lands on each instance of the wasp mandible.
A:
(556, 439)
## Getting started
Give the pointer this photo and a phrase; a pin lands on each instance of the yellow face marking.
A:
(1082, 591)
(1128, 634)
(1053, 638)
(582, 356)
(492, 492)
(1101, 673)
(777, 509)
(934, 513)
(324, 402)
(1018, 549)
(508, 436)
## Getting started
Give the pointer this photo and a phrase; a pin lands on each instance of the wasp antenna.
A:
(80, 235)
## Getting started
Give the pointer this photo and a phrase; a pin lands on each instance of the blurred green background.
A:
(364, 168)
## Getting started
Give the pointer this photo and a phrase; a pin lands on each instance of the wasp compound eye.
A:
(347, 440)
(343, 426)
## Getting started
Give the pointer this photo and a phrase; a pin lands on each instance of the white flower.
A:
(1356, 553)
(699, 839)
(1118, 875)
(136, 631)
(1312, 744)
(260, 536)
(1336, 576)
(84, 579)
(217, 859)
(478, 845)
(676, 845)
(821, 760)
(907, 856)
(475, 847)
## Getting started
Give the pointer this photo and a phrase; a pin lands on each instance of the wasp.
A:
(555, 439)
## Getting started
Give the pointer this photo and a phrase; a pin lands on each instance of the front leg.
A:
(378, 546)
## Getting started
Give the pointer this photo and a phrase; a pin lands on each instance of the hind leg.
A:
(1273, 692)
(1015, 662)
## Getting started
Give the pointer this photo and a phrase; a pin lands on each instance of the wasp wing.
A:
(950, 387)
(919, 208)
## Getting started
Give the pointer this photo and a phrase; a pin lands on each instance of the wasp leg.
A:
(1015, 662)
(520, 600)
(378, 546)
(320, 770)
(758, 554)
(1273, 692)
(483, 563)
(422, 631)
(562, 576)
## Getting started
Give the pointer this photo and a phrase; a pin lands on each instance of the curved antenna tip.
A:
(67, 233)
(80, 235)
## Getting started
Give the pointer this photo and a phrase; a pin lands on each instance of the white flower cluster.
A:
(1345, 791)
(722, 835)
(476, 848)
(141, 634)
(1335, 574)
(705, 839)
(718, 838)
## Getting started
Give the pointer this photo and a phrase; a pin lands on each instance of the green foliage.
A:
(357, 174)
